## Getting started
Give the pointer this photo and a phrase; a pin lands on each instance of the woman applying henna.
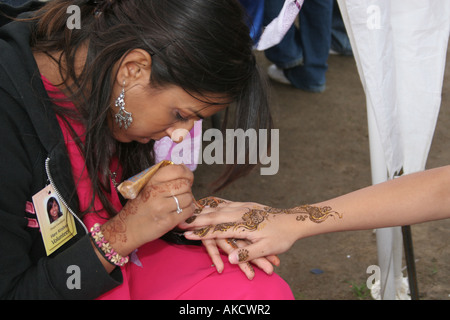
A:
(81, 109)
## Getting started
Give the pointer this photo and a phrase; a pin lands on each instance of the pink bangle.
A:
(105, 247)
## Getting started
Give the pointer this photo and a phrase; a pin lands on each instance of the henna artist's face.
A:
(159, 113)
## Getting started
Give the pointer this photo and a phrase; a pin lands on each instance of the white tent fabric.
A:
(400, 49)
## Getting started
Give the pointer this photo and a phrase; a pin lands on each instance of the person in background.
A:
(300, 59)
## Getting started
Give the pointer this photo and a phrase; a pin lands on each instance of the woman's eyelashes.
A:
(179, 117)
(182, 118)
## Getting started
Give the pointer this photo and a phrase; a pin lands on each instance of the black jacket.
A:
(29, 136)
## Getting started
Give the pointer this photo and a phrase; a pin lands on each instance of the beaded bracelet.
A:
(105, 247)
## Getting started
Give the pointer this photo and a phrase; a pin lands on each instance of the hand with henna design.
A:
(414, 198)
(213, 246)
(268, 231)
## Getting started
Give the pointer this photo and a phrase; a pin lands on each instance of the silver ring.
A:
(179, 210)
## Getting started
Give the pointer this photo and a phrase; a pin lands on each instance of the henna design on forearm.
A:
(253, 218)
(315, 214)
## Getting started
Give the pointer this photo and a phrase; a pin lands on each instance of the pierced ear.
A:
(134, 66)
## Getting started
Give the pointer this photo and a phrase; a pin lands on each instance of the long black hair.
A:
(203, 46)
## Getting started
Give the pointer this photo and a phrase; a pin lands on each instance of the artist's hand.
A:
(266, 231)
(154, 211)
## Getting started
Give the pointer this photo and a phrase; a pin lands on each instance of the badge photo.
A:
(55, 221)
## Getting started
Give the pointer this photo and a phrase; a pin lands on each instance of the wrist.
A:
(315, 219)
(105, 248)
(116, 233)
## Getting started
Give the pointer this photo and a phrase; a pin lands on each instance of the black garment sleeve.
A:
(25, 270)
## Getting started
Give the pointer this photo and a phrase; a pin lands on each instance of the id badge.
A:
(55, 221)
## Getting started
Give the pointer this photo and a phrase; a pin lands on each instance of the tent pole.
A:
(410, 263)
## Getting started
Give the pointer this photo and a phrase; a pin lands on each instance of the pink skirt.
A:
(166, 271)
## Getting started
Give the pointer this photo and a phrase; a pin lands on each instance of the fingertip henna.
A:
(243, 255)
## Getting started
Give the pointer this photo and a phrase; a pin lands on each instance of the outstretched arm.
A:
(407, 200)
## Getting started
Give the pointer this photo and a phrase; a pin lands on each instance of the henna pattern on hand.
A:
(202, 231)
(212, 202)
(253, 218)
(242, 255)
(190, 219)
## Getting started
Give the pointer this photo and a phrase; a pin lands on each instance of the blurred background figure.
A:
(300, 59)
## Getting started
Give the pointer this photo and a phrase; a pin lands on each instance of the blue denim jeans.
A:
(339, 38)
(14, 3)
(303, 52)
(255, 13)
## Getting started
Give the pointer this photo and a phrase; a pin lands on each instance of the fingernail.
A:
(233, 259)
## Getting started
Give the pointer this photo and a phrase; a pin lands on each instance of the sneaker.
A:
(277, 74)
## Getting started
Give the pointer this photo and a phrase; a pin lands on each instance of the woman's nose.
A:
(179, 131)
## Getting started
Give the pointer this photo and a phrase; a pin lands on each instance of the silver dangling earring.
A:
(123, 117)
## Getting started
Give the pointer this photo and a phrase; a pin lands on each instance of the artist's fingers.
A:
(172, 172)
(214, 254)
(182, 201)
